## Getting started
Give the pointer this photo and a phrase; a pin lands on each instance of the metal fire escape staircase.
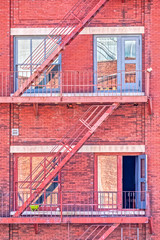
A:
(71, 25)
(98, 232)
(48, 168)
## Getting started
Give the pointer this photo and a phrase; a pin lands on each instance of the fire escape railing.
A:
(76, 203)
(77, 83)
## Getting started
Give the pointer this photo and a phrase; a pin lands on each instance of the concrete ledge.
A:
(84, 213)
(87, 30)
(85, 149)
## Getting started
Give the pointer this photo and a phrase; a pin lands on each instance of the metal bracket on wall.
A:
(151, 225)
(35, 109)
(36, 228)
(150, 106)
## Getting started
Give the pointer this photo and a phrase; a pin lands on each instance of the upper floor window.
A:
(24, 47)
(117, 63)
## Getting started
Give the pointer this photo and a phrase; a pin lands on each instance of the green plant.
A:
(34, 207)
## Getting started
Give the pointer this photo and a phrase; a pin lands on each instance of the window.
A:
(107, 181)
(23, 49)
(29, 173)
(120, 181)
(117, 63)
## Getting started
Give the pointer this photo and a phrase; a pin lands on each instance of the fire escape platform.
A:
(74, 99)
(73, 220)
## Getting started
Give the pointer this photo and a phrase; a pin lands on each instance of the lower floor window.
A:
(107, 181)
(29, 173)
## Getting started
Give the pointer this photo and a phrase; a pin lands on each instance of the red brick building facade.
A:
(79, 119)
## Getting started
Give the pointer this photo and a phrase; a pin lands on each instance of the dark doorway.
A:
(128, 182)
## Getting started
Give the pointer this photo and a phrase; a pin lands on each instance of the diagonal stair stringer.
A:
(68, 33)
(68, 156)
(109, 231)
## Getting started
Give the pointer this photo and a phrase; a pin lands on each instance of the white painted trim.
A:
(87, 30)
(85, 149)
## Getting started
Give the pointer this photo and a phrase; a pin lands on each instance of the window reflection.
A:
(130, 50)
(130, 73)
(107, 63)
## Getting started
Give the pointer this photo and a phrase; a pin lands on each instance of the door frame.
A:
(138, 84)
(141, 204)
(119, 177)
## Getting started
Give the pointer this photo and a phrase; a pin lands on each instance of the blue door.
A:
(131, 64)
(141, 181)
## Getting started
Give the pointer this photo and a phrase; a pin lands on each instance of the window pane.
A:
(23, 168)
(130, 73)
(40, 44)
(23, 50)
(107, 63)
(130, 50)
(21, 75)
(142, 168)
(51, 45)
(142, 191)
(23, 173)
(52, 77)
(107, 181)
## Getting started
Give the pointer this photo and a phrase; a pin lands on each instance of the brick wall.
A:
(128, 125)
(73, 232)
(4, 156)
(54, 121)
(46, 13)
(4, 45)
(4, 232)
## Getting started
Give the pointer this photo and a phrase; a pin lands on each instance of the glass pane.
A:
(107, 181)
(51, 45)
(56, 61)
(130, 50)
(22, 75)
(52, 77)
(142, 191)
(50, 194)
(23, 50)
(37, 44)
(23, 168)
(130, 73)
(107, 63)
(23, 173)
(35, 162)
(142, 168)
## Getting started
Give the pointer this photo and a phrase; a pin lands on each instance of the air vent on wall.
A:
(15, 132)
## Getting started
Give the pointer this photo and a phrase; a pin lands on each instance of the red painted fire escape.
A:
(42, 176)
(72, 24)
(46, 171)
(99, 232)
